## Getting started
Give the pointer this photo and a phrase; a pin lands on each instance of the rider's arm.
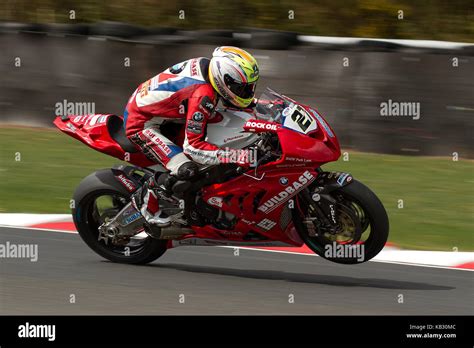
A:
(200, 107)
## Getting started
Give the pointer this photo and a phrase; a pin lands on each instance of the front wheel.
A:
(355, 230)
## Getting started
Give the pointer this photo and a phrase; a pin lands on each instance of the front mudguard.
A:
(327, 182)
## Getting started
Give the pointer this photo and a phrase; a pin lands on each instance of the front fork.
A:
(319, 201)
(322, 208)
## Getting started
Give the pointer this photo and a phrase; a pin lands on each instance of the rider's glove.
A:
(187, 170)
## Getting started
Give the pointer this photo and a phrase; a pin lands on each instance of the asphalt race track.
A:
(214, 281)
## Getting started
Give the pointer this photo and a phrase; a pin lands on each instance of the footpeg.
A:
(160, 222)
(181, 186)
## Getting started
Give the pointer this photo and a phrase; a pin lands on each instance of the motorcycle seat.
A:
(117, 132)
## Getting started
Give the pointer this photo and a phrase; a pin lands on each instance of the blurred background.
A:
(425, 19)
(333, 55)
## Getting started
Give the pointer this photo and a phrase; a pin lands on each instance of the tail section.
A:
(103, 133)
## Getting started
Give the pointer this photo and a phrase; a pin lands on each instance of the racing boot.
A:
(181, 182)
(146, 200)
(161, 186)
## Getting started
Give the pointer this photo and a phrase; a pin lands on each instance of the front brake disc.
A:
(349, 228)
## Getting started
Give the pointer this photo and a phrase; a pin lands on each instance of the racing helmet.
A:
(233, 73)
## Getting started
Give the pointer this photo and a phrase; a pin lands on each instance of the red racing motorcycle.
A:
(284, 200)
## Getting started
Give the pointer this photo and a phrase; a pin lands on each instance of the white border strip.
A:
(409, 43)
(20, 219)
(37, 229)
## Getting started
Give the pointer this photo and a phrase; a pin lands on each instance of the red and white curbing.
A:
(390, 254)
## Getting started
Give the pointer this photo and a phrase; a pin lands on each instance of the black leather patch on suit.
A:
(177, 68)
(206, 105)
(194, 127)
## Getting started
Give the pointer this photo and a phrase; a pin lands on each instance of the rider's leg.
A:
(161, 150)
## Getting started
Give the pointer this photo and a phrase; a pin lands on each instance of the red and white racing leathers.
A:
(180, 93)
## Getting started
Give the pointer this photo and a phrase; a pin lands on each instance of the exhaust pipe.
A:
(171, 232)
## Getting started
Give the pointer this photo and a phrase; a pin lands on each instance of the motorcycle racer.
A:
(188, 91)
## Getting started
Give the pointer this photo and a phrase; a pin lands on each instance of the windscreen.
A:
(270, 106)
(277, 108)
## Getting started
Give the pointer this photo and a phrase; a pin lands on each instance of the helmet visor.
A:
(241, 89)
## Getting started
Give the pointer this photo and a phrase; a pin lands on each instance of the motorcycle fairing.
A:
(260, 206)
(94, 131)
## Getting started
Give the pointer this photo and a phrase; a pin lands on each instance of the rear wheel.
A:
(97, 203)
(360, 229)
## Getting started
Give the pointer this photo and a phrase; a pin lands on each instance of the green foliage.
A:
(422, 19)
